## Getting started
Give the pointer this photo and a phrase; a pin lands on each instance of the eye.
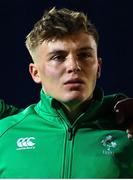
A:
(59, 58)
(84, 55)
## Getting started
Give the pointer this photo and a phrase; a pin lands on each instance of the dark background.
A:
(113, 19)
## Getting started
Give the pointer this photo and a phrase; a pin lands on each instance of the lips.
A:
(74, 81)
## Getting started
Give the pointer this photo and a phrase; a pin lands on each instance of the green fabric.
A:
(7, 110)
(40, 142)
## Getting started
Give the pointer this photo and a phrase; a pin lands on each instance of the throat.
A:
(72, 115)
(74, 112)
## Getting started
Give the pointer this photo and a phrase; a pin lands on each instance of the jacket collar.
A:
(51, 107)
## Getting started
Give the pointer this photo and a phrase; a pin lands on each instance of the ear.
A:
(99, 67)
(33, 69)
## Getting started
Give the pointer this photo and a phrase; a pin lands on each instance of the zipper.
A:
(68, 153)
(68, 150)
(70, 133)
(68, 147)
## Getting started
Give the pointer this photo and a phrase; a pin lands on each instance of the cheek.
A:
(92, 70)
(49, 73)
(95, 70)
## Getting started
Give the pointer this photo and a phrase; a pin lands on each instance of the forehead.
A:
(71, 42)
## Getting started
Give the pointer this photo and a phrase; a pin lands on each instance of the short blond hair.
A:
(56, 24)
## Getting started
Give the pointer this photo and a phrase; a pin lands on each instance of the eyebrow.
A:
(85, 49)
(59, 51)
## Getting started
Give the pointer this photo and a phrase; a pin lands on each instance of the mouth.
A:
(74, 81)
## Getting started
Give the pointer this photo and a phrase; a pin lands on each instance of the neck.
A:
(74, 111)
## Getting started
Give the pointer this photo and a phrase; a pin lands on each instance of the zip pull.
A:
(70, 133)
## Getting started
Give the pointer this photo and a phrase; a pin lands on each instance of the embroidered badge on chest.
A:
(109, 145)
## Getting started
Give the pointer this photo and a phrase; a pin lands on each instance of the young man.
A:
(72, 131)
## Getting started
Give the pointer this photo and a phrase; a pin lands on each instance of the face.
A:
(67, 68)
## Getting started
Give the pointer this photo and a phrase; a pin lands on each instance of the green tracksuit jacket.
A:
(40, 142)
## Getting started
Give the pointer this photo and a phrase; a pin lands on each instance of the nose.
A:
(72, 65)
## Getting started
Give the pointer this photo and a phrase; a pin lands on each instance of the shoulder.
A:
(109, 102)
(11, 121)
(106, 111)
(113, 98)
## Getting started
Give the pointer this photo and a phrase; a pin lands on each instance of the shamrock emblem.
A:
(109, 144)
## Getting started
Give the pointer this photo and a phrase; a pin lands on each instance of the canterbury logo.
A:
(26, 143)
